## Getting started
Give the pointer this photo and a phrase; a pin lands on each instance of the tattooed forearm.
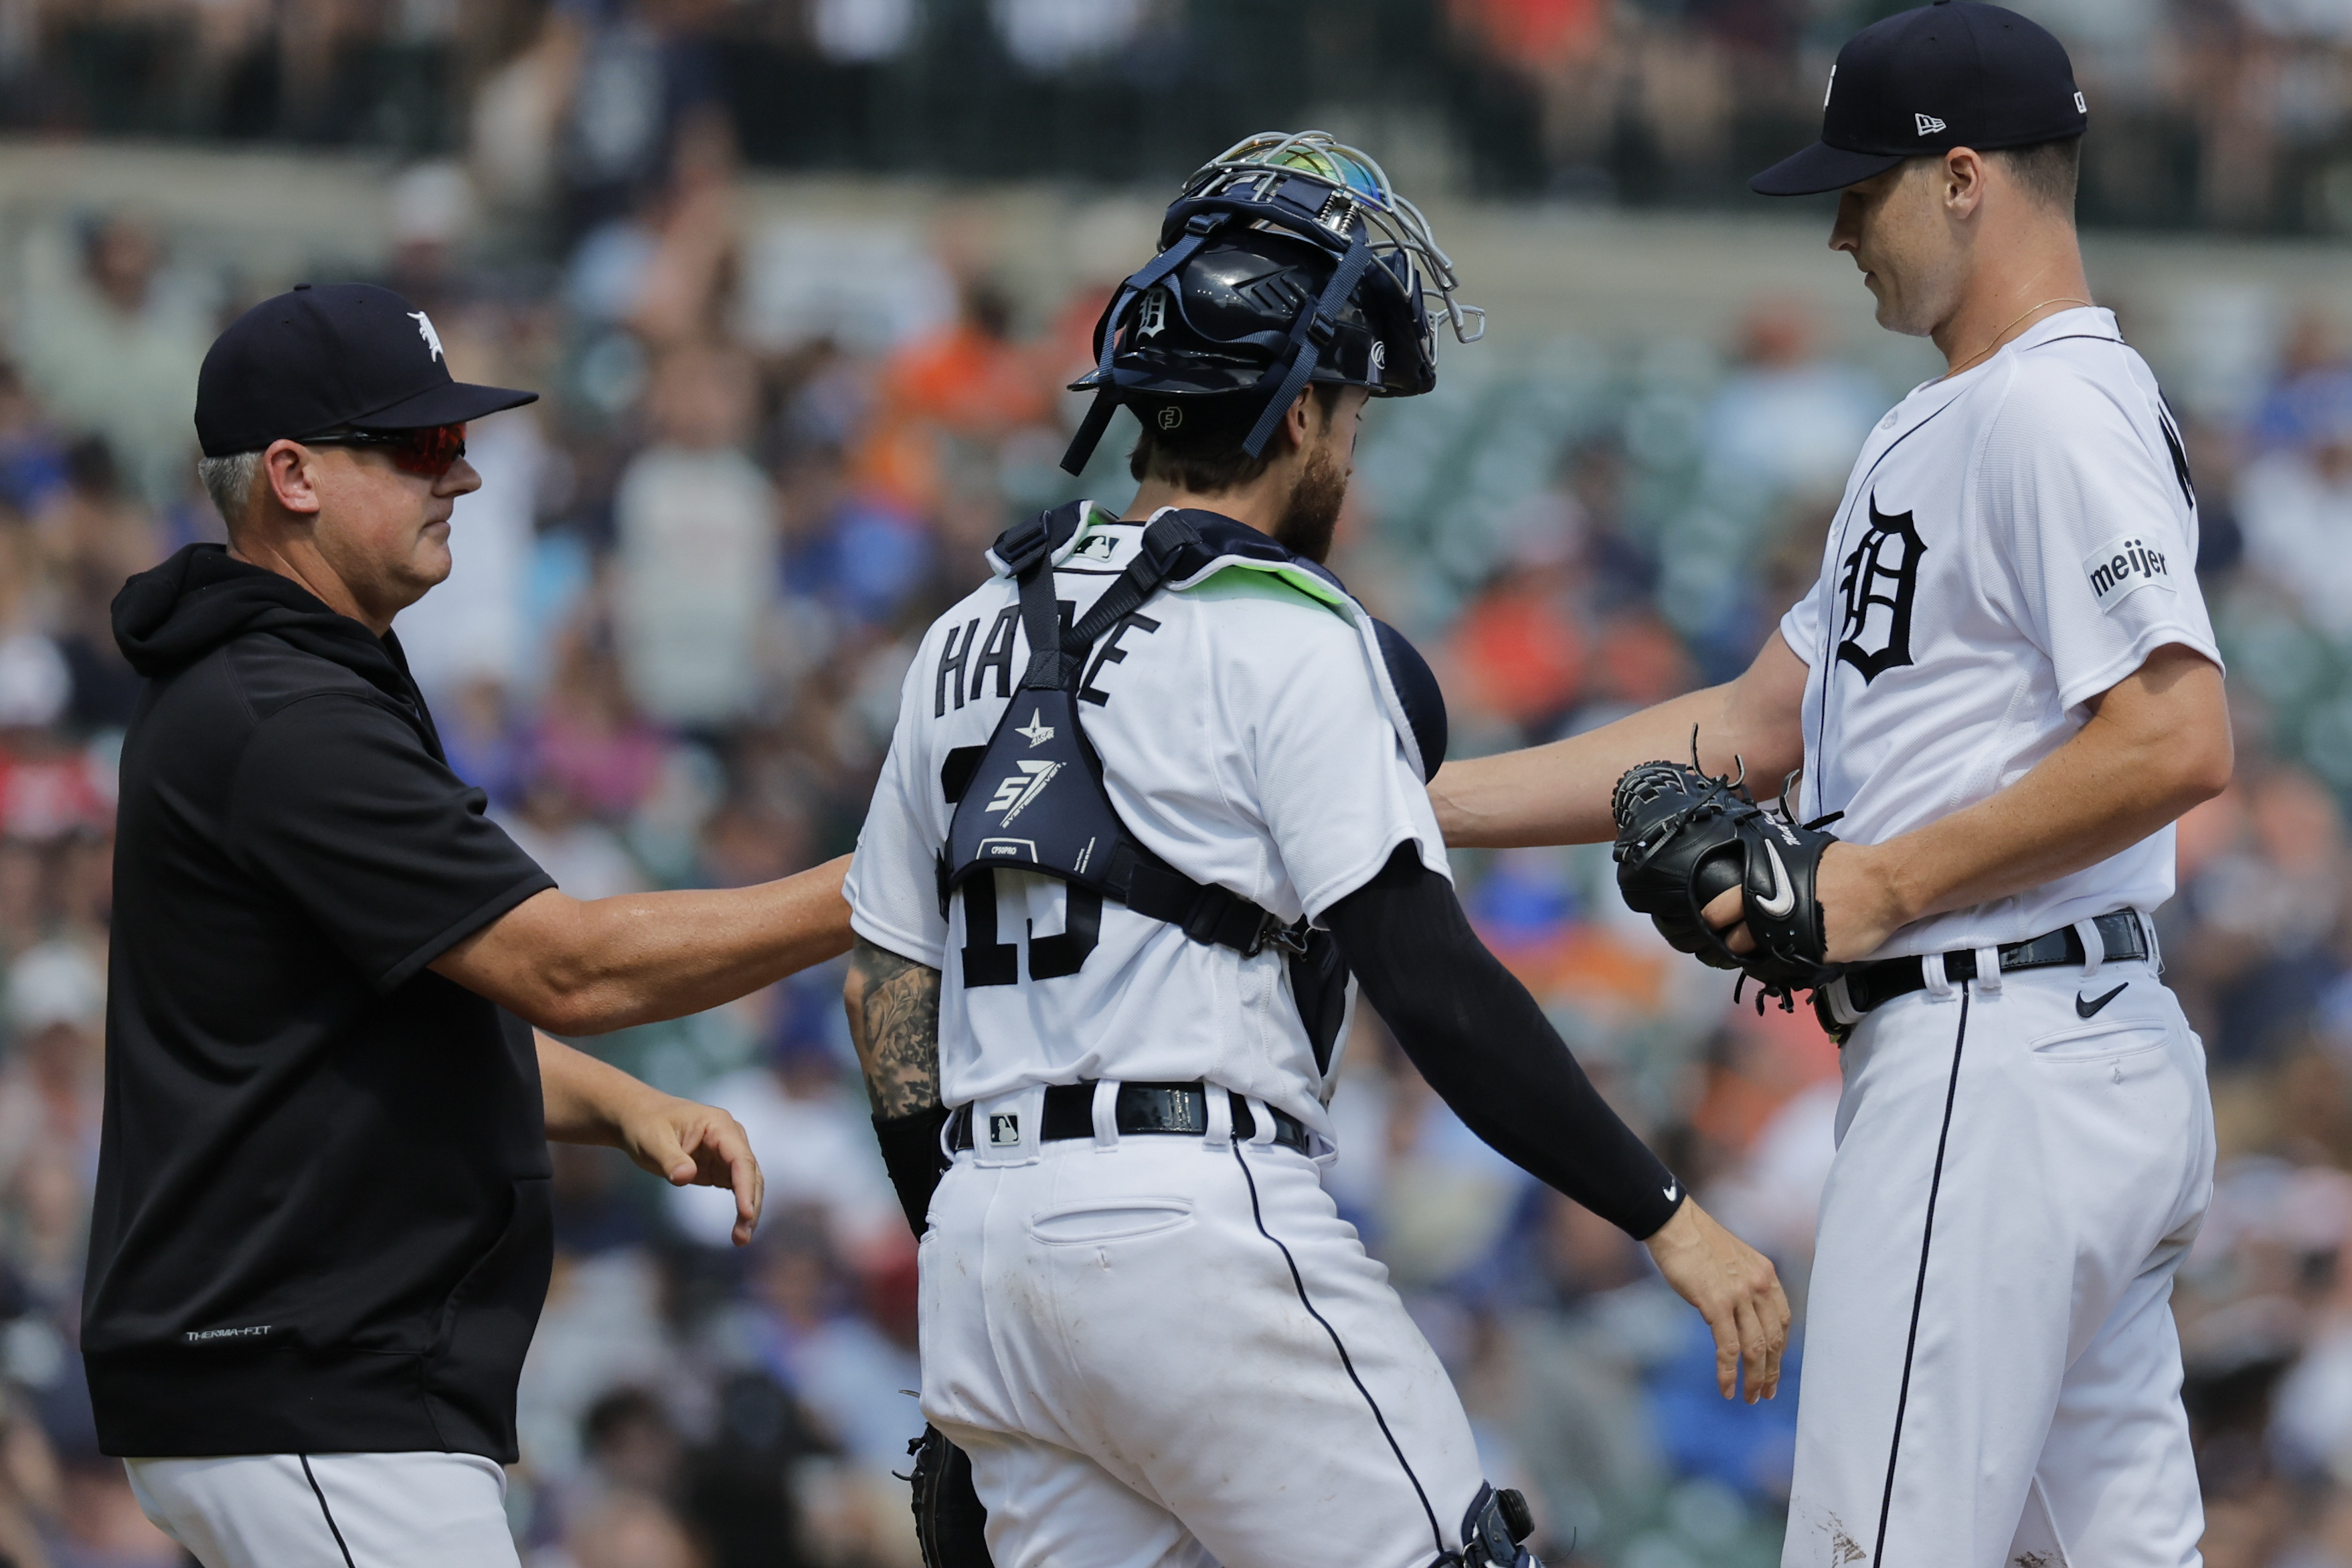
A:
(894, 1017)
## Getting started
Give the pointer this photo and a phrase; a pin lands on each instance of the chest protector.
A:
(1033, 797)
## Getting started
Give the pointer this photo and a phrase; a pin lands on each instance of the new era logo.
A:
(1004, 1131)
(1928, 124)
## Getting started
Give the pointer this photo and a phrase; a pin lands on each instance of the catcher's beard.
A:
(1311, 516)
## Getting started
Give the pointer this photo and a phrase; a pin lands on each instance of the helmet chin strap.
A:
(1310, 333)
(1197, 231)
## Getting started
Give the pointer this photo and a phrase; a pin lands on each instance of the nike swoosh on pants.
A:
(2084, 1009)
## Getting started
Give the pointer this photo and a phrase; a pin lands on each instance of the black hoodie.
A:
(321, 1220)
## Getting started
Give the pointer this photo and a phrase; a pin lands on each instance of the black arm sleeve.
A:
(1486, 1048)
(910, 1152)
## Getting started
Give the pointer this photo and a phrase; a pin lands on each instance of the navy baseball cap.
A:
(326, 358)
(1954, 74)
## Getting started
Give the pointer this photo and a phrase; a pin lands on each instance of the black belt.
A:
(1182, 1109)
(1873, 985)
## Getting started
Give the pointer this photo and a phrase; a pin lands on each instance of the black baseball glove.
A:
(949, 1520)
(1683, 838)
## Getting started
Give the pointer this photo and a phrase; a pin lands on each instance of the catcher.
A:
(2001, 690)
(1157, 789)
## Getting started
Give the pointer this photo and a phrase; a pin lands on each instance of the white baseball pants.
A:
(1163, 1351)
(1992, 1374)
(330, 1510)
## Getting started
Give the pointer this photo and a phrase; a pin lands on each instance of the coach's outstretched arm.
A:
(1485, 1047)
(575, 968)
(1558, 794)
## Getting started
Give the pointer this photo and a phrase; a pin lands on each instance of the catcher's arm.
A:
(894, 1020)
(2156, 743)
(1558, 794)
(1485, 1047)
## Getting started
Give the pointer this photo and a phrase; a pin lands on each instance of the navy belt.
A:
(1868, 986)
(1180, 1109)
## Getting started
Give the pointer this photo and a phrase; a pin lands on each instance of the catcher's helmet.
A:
(1287, 260)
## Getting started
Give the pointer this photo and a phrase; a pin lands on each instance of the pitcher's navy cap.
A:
(316, 360)
(1954, 74)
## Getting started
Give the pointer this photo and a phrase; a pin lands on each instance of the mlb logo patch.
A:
(1003, 1131)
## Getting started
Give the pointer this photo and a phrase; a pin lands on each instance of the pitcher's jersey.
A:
(2014, 541)
(1243, 740)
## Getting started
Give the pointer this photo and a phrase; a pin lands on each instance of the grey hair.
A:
(230, 481)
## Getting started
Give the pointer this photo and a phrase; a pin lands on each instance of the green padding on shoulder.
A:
(1305, 582)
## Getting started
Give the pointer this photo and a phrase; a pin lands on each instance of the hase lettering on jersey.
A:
(2122, 566)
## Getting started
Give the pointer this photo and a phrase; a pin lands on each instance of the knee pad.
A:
(1493, 1528)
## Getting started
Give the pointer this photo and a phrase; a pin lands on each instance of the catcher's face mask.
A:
(1288, 259)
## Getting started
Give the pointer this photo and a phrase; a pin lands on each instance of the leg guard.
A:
(950, 1522)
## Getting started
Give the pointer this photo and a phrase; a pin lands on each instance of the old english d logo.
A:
(1881, 577)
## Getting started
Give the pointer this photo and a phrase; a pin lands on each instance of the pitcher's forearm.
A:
(2156, 746)
(1558, 794)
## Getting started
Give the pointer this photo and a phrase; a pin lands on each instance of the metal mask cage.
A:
(1395, 229)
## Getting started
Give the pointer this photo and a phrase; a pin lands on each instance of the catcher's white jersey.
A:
(1243, 740)
(2014, 541)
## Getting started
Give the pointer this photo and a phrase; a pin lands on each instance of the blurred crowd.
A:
(671, 651)
(2231, 113)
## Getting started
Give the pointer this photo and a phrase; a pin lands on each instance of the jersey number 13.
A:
(988, 962)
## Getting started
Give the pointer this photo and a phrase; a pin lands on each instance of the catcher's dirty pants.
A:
(1992, 1377)
(1119, 1333)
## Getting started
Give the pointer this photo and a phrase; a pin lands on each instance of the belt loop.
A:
(1105, 1107)
(1988, 971)
(1262, 1128)
(2094, 945)
(1931, 970)
(1220, 1107)
(1841, 1006)
(2147, 939)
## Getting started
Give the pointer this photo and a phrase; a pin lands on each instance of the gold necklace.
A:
(1996, 337)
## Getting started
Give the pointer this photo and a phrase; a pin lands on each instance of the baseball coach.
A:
(321, 1238)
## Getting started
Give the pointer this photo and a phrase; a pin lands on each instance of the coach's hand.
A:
(684, 1143)
(691, 1144)
(1860, 909)
(1736, 1290)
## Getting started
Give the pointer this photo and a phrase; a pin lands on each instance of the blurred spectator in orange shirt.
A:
(1522, 653)
(972, 384)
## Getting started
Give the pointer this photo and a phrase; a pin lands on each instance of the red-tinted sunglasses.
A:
(429, 450)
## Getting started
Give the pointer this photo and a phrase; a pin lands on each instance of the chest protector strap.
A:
(1036, 800)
